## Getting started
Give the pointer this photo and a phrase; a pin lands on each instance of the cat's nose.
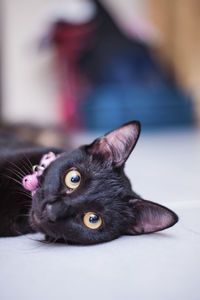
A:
(50, 214)
(54, 211)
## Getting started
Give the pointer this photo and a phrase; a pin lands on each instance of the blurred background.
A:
(70, 66)
(71, 70)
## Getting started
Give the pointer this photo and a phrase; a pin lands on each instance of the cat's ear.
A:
(115, 147)
(147, 217)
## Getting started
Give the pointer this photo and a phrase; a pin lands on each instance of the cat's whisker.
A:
(28, 208)
(45, 242)
(37, 246)
(35, 240)
(23, 215)
(17, 181)
(16, 166)
(28, 161)
(16, 172)
(24, 193)
(26, 168)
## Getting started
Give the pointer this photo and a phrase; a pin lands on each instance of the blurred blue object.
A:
(128, 83)
(155, 106)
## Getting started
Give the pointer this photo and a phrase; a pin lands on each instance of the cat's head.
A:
(84, 197)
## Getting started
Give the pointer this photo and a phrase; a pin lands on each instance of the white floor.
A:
(165, 168)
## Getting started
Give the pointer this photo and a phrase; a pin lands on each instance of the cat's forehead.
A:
(73, 158)
(76, 155)
(78, 159)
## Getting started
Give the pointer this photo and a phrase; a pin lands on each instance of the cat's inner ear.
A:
(149, 217)
(116, 146)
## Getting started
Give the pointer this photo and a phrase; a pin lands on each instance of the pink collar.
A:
(30, 181)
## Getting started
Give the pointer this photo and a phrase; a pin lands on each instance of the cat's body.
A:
(82, 197)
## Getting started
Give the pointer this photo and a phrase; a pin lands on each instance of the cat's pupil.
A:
(93, 218)
(75, 178)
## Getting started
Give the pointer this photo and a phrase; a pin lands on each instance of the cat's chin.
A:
(63, 241)
(54, 240)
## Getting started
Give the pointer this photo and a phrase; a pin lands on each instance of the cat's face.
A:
(84, 197)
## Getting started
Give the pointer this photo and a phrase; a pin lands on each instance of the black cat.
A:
(82, 197)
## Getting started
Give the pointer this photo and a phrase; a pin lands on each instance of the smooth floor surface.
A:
(165, 168)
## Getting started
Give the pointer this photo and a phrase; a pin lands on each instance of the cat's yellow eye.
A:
(73, 179)
(92, 220)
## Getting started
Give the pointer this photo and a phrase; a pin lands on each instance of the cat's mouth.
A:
(39, 219)
(38, 225)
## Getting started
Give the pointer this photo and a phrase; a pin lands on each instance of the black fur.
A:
(104, 189)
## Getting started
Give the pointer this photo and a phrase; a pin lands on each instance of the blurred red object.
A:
(70, 41)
